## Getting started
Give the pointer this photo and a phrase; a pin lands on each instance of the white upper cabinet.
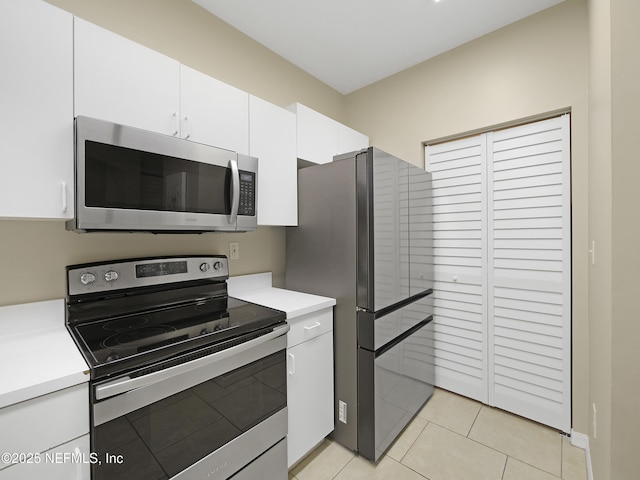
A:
(319, 137)
(350, 140)
(36, 94)
(123, 82)
(213, 112)
(272, 134)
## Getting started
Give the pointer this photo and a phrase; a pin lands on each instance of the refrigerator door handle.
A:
(407, 301)
(388, 346)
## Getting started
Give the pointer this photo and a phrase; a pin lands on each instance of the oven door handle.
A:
(126, 384)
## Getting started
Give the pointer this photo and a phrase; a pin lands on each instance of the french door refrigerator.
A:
(364, 237)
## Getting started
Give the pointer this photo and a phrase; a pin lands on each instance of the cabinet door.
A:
(350, 140)
(272, 138)
(69, 461)
(123, 82)
(213, 112)
(43, 422)
(317, 135)
(36, 94)
(309, 395)
(44, 426)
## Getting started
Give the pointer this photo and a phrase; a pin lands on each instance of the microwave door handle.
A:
(235, 191)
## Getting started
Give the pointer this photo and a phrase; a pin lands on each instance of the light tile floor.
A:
(455, 438)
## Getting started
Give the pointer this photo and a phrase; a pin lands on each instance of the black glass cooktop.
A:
(132, 340)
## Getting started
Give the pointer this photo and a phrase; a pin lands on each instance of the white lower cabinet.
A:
(309, 382)
(70, 461)
(49, 437)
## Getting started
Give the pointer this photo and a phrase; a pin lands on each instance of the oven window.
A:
(160, 440)
(119, 177)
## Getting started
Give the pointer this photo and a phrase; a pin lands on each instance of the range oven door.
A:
(209, 417)
(134, 180)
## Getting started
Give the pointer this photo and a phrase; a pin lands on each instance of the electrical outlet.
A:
(342, 411)
(594, 422)
(234, 251)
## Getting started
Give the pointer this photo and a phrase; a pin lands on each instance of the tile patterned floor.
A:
(455, 438)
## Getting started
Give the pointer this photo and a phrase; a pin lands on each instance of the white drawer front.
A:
(45, 422)
(309, 326)
(70, 461)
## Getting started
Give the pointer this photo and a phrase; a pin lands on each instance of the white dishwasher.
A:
(309, 358)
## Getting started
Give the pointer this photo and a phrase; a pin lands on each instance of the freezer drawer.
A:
(393, 385)
(378, 329)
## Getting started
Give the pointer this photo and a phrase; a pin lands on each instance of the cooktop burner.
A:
(139, 335)
(125, 323)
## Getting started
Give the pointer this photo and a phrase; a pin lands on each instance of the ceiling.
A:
(349, 44)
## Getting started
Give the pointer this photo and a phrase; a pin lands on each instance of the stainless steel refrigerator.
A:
(364, 237)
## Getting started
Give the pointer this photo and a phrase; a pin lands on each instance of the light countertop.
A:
(258, 289)
(37, 354)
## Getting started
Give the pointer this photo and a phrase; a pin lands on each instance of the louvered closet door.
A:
(459, 265)
(529, 279)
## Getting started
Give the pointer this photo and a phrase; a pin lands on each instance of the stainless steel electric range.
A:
(186, 382)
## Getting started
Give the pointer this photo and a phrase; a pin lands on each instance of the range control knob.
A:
(217, 266)
(111, 276)
(204, 266)
(87, 278)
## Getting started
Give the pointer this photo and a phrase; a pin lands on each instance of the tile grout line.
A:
(507, 455)
(474, 422)
(345, 466)
(504, 470)
(562, 437)
(504, 453)
(412, 444)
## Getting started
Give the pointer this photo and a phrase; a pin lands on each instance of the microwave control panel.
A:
(247, 193)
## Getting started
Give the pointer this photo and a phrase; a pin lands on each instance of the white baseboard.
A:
(581, 440)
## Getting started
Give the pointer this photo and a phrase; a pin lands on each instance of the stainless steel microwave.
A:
(128, 179)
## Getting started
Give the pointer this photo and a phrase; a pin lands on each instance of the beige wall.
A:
(600, 274)
(625, 278)
(33, 254)
(535, 66)
(614, 143)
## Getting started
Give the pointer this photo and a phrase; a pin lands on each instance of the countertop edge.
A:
(30, 392)
(38, 355)
(295, 304)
